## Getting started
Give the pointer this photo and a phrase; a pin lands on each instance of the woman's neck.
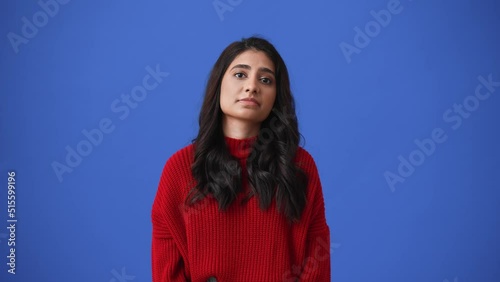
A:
(239, 129)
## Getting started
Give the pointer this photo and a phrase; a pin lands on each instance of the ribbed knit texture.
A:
(243, 243)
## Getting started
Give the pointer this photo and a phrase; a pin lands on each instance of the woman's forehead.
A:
(253, 58)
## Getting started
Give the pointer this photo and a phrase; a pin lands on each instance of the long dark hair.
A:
(271, 170)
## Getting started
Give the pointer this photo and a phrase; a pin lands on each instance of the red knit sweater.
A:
(243, 243)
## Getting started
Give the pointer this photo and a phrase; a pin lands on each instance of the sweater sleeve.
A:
(316, 266)
(167, 260)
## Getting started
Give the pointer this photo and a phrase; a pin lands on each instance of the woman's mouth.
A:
(249, 101)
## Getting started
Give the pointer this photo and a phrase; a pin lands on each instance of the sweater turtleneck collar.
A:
(240, 148)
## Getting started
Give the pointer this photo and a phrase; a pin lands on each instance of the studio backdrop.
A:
(397, 100)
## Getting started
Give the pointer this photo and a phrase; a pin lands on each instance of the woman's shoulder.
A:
(176, 176)
(180, 159)
(304, 159)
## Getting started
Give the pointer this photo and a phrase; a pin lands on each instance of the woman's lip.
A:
(249, 100)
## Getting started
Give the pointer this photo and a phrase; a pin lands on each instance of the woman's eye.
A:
(266, 80)
(239, 75)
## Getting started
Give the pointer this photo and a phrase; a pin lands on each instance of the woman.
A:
(244, 201)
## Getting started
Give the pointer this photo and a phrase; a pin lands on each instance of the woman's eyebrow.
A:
(263, 69)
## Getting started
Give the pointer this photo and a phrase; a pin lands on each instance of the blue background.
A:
(358, 114)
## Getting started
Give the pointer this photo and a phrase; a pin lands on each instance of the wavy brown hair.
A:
(272, 173)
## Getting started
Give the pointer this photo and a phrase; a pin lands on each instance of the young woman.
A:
(244, 201)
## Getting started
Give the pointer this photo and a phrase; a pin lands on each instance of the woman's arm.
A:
(316, 265)
(167, 260)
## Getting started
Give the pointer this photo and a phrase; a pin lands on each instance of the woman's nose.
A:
(252, 86)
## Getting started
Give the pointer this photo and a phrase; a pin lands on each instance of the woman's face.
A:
(248, 88)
